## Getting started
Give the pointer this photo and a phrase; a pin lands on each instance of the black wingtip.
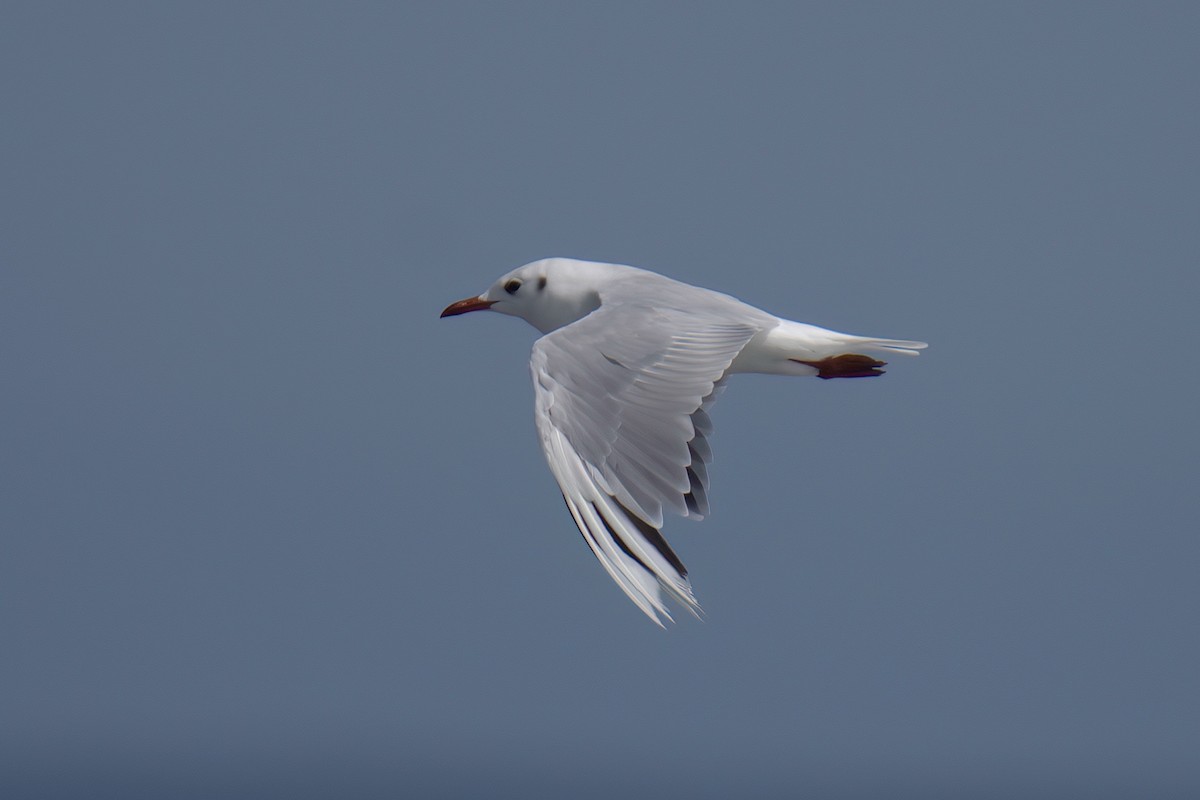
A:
(655, 538)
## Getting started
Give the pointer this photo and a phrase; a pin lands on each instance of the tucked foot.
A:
(851, 365)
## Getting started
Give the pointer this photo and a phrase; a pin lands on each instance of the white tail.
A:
(797, 348)
(893, 346)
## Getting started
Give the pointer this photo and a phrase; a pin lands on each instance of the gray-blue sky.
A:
(272, 527)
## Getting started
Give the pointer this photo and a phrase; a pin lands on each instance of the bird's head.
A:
(547, 294)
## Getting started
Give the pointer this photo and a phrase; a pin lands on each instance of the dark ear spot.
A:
(541, 283)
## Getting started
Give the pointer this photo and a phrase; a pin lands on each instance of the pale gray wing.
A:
(621, 398)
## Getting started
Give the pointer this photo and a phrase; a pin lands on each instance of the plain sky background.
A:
(270, 528)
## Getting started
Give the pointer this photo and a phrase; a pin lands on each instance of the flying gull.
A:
(628, 366)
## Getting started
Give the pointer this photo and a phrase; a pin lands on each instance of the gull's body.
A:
(624, 374)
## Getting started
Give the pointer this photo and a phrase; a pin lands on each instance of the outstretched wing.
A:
(621, 399)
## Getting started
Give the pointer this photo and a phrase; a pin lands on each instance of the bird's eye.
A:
(512, 286)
